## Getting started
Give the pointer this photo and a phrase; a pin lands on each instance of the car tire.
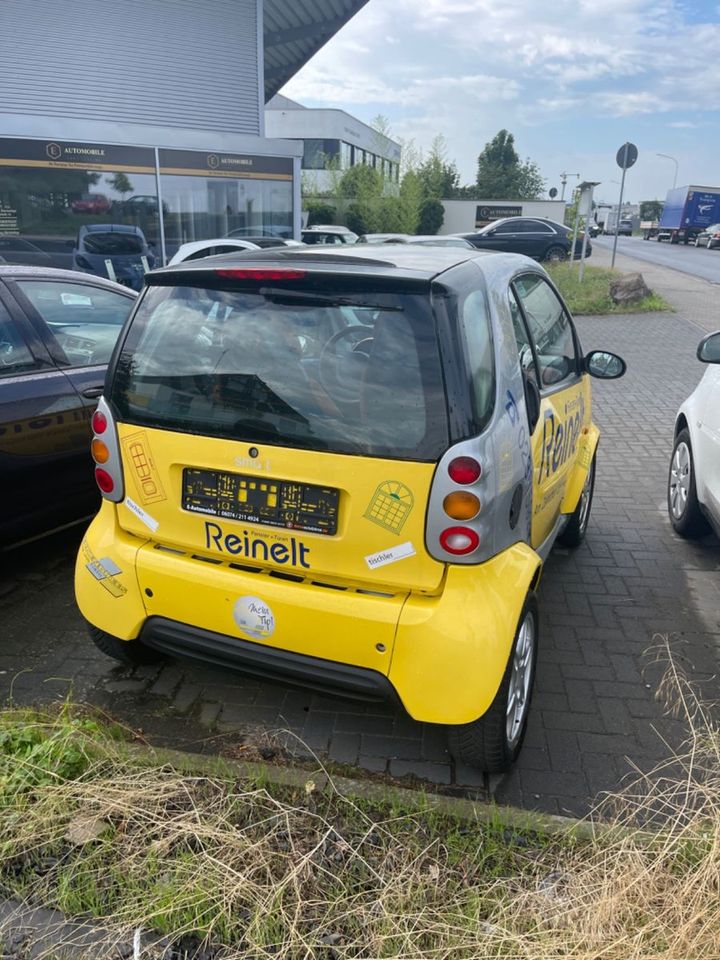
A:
(492, 742)
(555, 254)
(130, 652)
(576, 528)
(683, 505)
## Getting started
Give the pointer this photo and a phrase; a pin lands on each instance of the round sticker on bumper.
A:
(254, 617)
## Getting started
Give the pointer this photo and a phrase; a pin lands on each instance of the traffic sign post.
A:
(625, 158)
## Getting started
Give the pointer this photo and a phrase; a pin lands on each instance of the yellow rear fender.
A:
(451, 650)
(106, 586)
(587, 446)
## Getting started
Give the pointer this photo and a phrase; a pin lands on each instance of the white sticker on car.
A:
(254, 617)
(141, 514)
(383, 557)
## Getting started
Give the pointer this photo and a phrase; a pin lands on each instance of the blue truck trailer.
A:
(686, 213)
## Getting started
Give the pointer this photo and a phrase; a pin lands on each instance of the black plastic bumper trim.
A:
(268, 663)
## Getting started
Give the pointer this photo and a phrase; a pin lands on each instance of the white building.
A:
(331, 137)
(465, 216)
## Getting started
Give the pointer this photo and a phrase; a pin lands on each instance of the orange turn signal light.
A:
(461, 505)
(100, 452)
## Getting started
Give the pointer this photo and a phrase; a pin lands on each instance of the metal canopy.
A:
(294, 30)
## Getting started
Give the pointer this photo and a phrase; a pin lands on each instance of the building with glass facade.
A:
(148, 113)
(332, 140)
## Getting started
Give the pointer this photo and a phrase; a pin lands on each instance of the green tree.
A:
(432, 215)
(121, 183)
(411, 198)
(361, 182)
(651, 209)
(501, 175)
(320, 212)
(439, 178)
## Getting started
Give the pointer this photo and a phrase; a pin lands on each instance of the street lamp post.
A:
(666, 156)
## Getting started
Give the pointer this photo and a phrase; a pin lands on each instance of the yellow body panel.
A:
(451, 651)
(108, 599)
(586, 451)
(371, 519)
(564, 415)
(445, 655)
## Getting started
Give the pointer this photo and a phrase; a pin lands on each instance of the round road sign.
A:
(626, 159)
(553, 192)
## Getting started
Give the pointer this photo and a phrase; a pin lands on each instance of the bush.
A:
(355, 219)
(432, 215)
(319, 212)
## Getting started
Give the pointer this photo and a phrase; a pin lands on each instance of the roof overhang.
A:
(295, 31)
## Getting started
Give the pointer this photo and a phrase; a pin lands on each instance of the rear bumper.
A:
(267, 663)
(441, 656)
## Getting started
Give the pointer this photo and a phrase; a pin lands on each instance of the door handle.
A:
(92, 393)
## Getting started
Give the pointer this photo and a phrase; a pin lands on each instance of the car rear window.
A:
(342, 370)
(117, 243)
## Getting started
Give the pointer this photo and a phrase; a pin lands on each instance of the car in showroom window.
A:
(57, 331)
(330, 466)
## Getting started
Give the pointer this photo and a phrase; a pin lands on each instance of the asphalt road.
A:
(697, 261)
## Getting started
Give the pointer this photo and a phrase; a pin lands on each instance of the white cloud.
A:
(566, 78)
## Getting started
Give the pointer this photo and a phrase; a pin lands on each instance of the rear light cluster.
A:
(106, 454)
(462, 505)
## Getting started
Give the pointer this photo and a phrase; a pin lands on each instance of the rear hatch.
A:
(282, 426)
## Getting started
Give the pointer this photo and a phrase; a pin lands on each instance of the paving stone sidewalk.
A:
(607, 610)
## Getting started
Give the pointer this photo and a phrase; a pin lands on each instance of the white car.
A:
(199, 249)
(694, 478)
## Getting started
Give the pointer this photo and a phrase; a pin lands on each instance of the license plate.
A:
(268, 502)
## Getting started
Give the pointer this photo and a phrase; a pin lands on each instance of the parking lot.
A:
(609, 610)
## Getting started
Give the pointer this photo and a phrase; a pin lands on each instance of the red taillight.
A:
(464, 470)
(104, 480)
(459, 540)
(279, 273)
(99, 422)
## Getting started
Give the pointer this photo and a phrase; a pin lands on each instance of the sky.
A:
(572, 81)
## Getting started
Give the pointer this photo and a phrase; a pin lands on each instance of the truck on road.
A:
(686, 213)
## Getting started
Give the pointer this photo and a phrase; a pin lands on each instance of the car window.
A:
(476, 328)
(84, 319)
(341, 370)
(550, 329)
(15, 355)
(522, 338)
(506, 228)
(113, 243)
(535, 226)
(205, 252)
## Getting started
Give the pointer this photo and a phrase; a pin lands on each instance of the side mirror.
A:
(708, 350)
(604, 365)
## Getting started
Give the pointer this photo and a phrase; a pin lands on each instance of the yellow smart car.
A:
(345, 469)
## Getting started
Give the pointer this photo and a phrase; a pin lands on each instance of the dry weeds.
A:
(272, 873)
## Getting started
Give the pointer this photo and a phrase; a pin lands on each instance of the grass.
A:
(592, 296)
(302, 874)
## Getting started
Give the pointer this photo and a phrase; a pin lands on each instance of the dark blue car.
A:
(117, 251)
(57, 331)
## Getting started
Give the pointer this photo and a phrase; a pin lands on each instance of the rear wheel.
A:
(555, 254)
(125, 651)
(683, 506)
(492, 743)
(574, 533)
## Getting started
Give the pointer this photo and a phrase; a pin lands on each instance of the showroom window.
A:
(49, 191)
(59, 200)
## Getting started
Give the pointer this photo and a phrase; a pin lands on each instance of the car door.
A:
(43, 433)
(556, 367)
(539, 237)
(707, 456)
(504, 237)
(82, 321)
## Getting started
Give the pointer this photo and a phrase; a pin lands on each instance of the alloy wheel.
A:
(520, 681)
(680, 475)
